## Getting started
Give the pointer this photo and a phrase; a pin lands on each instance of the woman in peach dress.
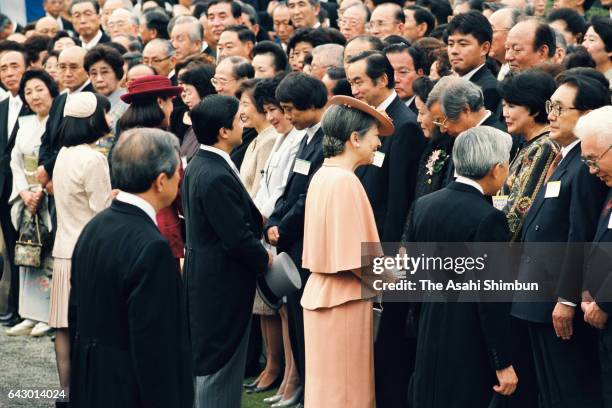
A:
(338, 322)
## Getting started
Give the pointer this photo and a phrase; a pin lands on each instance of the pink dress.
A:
(337, 323)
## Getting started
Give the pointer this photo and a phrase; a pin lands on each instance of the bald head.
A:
(47, 26)
(70, 65)
(387, 19)
(122, 22)
(501, 22)
(528, 44)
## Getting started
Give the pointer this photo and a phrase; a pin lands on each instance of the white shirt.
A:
(503, 72)
(223, 154)
(566, 149)
(409, 101)
(80, 88)
(469, 182)
(15, 105)
(486, 116)
(311, 132)
(171, 74)
(139, 202)
(385, 104)
(94, 41)
(470, 74)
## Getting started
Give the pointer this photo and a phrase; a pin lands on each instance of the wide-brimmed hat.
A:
(281, 279)
(385, 124)
(150, 85)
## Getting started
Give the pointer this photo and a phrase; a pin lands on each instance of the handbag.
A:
(29, 253)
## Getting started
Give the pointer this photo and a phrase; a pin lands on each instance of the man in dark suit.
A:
(409, 63)
(390, 184)
(86, 19)
(127, 309)
(54, 9)
(469, 42)
(593, 129)
(303, 100)
(224, 255)
(561, 217)
(12, 67)
(454, 368)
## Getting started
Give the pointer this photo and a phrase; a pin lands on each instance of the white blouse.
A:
(276, 171)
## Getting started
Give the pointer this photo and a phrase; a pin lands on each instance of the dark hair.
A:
(377, 65)
(8, 45)
(590, 93)
(142, 112)
(94, 3)
(545, 35)
(441, 9)
(199, 76)
(303, 91)
(63, 34)
(235, 6)
(133, 59)
(440, 32)
(158, 21)
(248, 87)
(579, 57)
(51, 54)
(265, 92)
(588, 72)
(443, 67)
(330, 35)
(4, 21)
(603, 28)
(278, 55)
(575, 22)
(474, 23)
(37, 74)
(241, 68)
(530, 89)
(395, 39)
(244, 34)
(106, 54)
(375, 43)
(303, 34)
(419, 58)
(422, 86)
(342, 85)
(211, 115)
(36, 44)
(76, 131)
(422, 15)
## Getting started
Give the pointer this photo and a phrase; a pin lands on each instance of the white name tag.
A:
(301, 167)
(610, 222)
(500, 201)
(552, 189)
(379, 158)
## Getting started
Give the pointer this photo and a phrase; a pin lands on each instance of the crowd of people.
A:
(158, 156)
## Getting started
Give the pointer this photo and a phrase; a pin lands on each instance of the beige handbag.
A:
(29, 253)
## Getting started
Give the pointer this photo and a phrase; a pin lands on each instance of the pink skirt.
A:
(60, 293)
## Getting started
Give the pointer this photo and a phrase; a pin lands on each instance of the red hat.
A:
(150, 85)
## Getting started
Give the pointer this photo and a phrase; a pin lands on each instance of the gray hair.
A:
(332, 54)
(597, 123)
(560, 39)
(436, 92)
(459, 95)
(195, 34)
(168, 48)
(338, 123)
(478, 149)
(141, 155)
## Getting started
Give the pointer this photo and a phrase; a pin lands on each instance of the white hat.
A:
(80, 105)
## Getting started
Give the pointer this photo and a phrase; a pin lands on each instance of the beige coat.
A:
(255, 159)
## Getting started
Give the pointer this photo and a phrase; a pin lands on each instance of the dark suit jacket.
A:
(488, 83)
(391, 187)
(568, 221)
(237, 155)
(50, 143)
(127, 310)
(224, 257)
(67, 25)
(598, 273)
(413, 107)
(290, 208)
(7, 142)
(471, 338)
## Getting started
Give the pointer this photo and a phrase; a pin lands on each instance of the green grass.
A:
(255, 400)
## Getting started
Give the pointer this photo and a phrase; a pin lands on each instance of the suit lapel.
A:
(23, 112)
(602, 226)
(3, 125)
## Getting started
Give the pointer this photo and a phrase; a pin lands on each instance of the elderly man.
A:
(324, 57)
(360, 44)
(281, 23)
(387, 19)
(230, 73)
(153, 24)
(353, 21)
(87, 23)
(595, 133)
(528, 44)
(461, 213)
(236, 41)
(419, 22)
(186, 37)
(562, 343)
(142, 356)
(409, 63)
(47, 26)
(304, 13)
(159, 54)
(109, 7)
(501, 22)
(220, 14)
(55, 9)
(122, 22)
(268, 59)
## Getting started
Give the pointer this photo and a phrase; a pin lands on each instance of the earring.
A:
(358, 145)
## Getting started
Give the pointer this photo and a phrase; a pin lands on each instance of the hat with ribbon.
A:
(150, 86)
(385, 124)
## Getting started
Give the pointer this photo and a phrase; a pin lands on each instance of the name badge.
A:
(379, 158)
(500, 201)
(301, 167)
(552, 189)
(610, 222)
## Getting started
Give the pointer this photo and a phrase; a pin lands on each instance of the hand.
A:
(115, 192)
(562, 320)
(507, 381)
(584, 306)
(270, 259)
(49, 187)
(29, 200)
(273, 235)
(41, 175)
(594, 316)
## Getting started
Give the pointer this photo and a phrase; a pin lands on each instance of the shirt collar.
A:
(470, 74)
(223, 154)
(311, 131)
(171, 74)
(409, 101)
(566, 149)
(486, 116)
(385, 104)
(204, 46)
(469, 182)
(139, 202)
(80, 88)
(94, 41)
(15, 100)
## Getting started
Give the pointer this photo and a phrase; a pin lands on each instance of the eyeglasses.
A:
(349, 22)
(154, 61)
(217, 82)
(378, 24)
(439, 124)
(555, 108)
(594, 164)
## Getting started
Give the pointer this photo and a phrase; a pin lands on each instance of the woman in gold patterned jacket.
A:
(524, 106)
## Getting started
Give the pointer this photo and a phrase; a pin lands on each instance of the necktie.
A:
(553, 166)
